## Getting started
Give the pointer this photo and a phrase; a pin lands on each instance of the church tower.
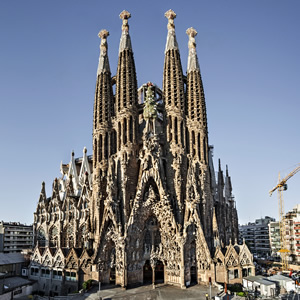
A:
(103, 134)
(126, 121)
(197, 136)
(175, 108)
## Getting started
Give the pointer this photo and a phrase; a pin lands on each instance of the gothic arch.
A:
(53, 236)
(81, 236)
(41, 237)
(68, 236)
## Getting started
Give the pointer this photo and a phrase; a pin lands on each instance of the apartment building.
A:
(14, 237)
(256, 235)
(292, 233)
(274, 236)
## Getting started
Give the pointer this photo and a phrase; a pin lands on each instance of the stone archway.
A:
(159, 272)
(147, 272)
(193, 271)
(190, 254)
(112, 275)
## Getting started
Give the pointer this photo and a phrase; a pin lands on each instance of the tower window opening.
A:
(181, 134)
(176, 131)
(95, 153)
(131, 130)
(170, 129)
(106, 146)
(124, 131)
(193, 143)
(199, 147)
(100, 148)
(187, 136)
(204, 150)
(119, 135)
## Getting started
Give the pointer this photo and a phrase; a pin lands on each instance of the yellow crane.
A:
(280, 187)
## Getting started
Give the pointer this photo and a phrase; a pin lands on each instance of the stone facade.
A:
(147, 206)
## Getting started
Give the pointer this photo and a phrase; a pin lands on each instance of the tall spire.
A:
(126, 83)
(173, 86)
(196, 107)
(171, 38)
(125, 42)
(193, 64)
(103, 65)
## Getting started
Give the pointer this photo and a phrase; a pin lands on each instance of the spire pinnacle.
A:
(125, 15)
(170, 15)
(193, 63)
(125, 42)
(171, 38)
(103, 65)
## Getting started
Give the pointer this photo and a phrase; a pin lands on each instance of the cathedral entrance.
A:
(159, 272)
(112, 276)
(147, 272)
(193, 275)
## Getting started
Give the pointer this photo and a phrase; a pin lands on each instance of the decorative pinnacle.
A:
(125, 15)
(103, 34)
(170, 15)
(191, 32)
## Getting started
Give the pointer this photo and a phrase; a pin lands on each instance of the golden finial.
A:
(125, 15)
(191, 32)
(170, 15)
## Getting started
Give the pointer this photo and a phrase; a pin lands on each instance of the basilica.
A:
(147, 206)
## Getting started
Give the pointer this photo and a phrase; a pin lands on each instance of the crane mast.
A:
(280, 187)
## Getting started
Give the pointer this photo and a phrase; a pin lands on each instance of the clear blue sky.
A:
(249, 58)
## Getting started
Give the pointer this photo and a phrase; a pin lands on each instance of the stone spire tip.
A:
(191, 32)
(192, 59)
(170, 15)
(103, 34)
(171, 38)
(103, 60)
(125, 15)
(125, 42)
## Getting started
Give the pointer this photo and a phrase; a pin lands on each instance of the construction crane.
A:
(280, 187)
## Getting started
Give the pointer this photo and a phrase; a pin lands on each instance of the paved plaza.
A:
(148, 293)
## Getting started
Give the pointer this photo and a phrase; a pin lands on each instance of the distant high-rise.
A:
(256, 235)
(15, 237)
(147, 204)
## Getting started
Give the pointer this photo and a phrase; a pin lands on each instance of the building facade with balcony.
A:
(274, 237)
(14, 237)
(256, 236)
(292, 233)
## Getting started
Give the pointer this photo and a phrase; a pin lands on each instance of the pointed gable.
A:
(245, 256)
(231, 257)
(72, 260)
(85, 169)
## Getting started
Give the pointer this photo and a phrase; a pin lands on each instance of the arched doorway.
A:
(112, 276)
(147, 272)
(193, 275)
(159, 272)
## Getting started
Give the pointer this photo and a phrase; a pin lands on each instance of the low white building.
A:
(285, 282)
(260, 284)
